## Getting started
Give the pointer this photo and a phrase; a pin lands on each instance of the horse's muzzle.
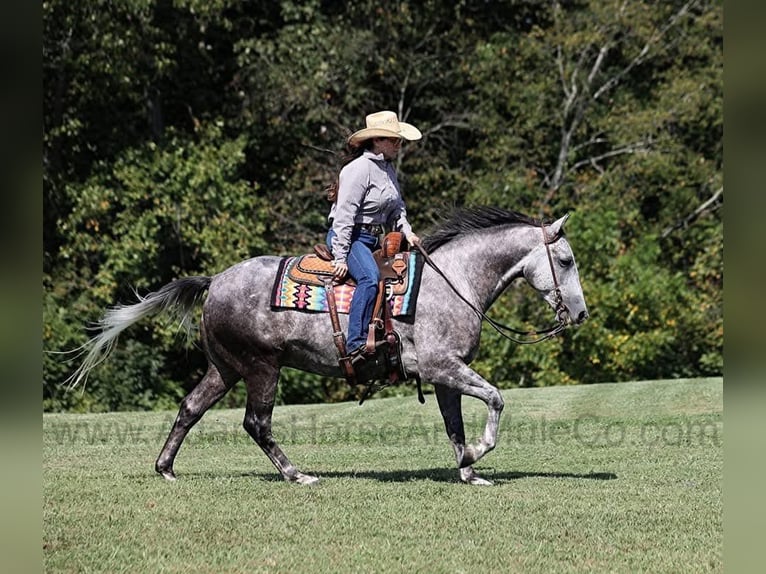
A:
(564, 316)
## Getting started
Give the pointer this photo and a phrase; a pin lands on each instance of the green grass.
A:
(605, 478)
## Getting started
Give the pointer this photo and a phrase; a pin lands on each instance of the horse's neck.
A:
(487, 262)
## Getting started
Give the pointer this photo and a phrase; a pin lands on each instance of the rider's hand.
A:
(340, 270)
(413, 239)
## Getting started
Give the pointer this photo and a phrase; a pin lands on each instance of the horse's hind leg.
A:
(261, 391)
(209, 391)
(450, 406)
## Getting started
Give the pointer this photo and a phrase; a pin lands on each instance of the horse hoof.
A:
(479, 481)
(306, 479)
(469, 476)
(167, 474)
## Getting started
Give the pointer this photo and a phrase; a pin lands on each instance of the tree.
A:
(618, 78)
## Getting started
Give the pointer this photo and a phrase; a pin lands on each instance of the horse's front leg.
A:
(450, 406)
(457, 376)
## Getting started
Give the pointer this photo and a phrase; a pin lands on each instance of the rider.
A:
(367, 202)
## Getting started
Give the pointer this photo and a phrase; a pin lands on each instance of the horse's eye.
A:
(566, 261)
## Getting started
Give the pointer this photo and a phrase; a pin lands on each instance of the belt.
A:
(373, 228)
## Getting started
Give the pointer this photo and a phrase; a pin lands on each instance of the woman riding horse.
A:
(367, 201)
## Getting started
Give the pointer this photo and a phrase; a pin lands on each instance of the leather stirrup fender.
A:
(337, 335)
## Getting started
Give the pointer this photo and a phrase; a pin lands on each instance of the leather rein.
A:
(561, 310)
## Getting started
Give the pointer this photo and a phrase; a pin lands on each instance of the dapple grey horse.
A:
(479, 253)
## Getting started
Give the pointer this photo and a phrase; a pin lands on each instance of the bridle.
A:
(562, 312)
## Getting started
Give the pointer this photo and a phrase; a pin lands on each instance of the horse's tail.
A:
(179, 297)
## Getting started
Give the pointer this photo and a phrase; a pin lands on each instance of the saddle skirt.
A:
(300, 284)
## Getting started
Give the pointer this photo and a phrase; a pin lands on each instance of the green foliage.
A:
(181, 137)
(155, 214)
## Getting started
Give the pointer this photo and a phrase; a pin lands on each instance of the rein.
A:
(560, 308)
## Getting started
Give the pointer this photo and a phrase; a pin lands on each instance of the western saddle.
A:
(392, 264)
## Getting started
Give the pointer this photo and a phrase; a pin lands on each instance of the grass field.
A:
(604, 478)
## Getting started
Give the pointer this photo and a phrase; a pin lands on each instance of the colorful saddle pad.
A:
(298, 285)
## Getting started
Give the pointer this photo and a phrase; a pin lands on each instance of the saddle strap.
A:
(377, 311)
(337, 335)
(382, 319)
(393, 342)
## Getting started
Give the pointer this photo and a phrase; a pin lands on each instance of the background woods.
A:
(183, 136)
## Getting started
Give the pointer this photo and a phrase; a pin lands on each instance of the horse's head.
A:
(551, 270)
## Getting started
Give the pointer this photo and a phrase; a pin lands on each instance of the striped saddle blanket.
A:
(299, 285)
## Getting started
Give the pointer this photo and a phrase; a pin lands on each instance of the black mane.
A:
(467, 220)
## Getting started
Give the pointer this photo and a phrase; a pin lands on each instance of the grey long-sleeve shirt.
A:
(368, 192)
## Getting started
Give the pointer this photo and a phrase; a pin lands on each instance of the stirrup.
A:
(358, 354)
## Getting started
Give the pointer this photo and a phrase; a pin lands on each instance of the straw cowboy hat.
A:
(385, 125)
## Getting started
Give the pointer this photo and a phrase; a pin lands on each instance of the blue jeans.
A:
(364, 270)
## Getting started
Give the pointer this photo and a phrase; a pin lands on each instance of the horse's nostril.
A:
(582, 316)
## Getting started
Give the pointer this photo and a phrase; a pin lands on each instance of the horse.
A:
(473, 257)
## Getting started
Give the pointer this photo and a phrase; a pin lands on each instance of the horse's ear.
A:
(556, 228)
